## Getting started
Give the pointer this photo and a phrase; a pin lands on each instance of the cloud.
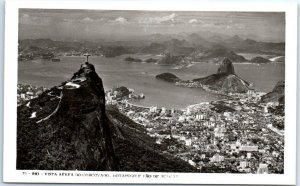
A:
(192, 21)
(196, 21)
(25, 16)
(28, 19)
(157, 20)
(121, 20)
(87, 19)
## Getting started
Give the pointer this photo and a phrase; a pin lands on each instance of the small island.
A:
(169, 77)
(131, 59)
(151, 60)
(260, 60)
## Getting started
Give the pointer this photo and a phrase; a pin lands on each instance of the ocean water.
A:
(141, 77)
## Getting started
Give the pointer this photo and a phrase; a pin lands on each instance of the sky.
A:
(98, 24)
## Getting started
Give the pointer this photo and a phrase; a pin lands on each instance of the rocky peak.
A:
(279, 87)
(69, 129)
(277, 94)
(226, 67)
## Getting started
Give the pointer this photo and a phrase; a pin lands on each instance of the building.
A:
(266, 109)
(163, 110)
(29, 93)
(200, 117)
(262, 168)
(188, 142)
(188, 111)
(181, 118)
(249, 148)
(219, 131)
(243, 164)
(250, 92)
(153, 109)
(22, 96)
(217, 158)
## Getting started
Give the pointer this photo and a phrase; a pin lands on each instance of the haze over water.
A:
(141, 77)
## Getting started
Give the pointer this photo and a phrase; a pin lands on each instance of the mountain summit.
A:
(65, 128)
(226, 67)
(225, 80)
(69, 127)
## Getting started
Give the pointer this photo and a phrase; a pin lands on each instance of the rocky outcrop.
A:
(69, 127)
(225, 80)
(131, 59)
(259, 60)
(276, 95)
(226, 67)
(169, 77)
(122, 91)
(65, 128)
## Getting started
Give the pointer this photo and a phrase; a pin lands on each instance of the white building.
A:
(199, 117)
(262, 168)
(192, 163)
(23, 96)
(249, 148)
(266, 109)
(172, 111)
(130, 113)
(181, 118)
(217, 158)
(243, 164)
(250, 93)
(153, 109)
(188, 111)
(188, 142)
(163, 110)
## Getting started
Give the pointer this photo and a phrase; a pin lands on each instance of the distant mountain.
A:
(153, 48)
(198, 40)
(240, 45)
(69, 127)
(218, 52)
(169, 59)
(113, 51)
(190, 45)
(173, 46)
(234, 40)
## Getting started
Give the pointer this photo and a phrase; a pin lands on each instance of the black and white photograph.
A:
(159, 91)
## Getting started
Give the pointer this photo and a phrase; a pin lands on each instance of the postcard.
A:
(150, 92)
